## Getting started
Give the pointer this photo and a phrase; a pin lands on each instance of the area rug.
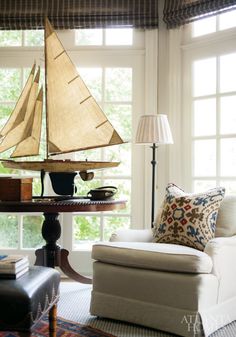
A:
(65, 328)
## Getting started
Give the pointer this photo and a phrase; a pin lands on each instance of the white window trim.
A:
(169, 168)
(144, 102)
(211, 45)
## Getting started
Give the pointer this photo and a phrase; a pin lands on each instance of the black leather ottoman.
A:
(23, 302)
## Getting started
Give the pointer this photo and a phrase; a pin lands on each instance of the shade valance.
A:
(69, 14)
(177, 13)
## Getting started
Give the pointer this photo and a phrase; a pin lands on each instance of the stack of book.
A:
(13, 266)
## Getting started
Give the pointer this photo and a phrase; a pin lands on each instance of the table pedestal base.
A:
(51, 255)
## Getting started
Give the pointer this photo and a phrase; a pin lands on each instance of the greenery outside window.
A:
(111, 81)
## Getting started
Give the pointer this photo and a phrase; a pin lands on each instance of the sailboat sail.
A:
(74, 120)
(18, 133)
(30, 145)
(18, 113)
(70, 104)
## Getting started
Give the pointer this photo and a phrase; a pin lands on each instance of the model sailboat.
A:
(74, 120)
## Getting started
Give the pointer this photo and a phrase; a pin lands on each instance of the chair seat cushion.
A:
(155, 256)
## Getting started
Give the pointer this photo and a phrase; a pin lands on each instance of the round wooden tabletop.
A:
(55, 206)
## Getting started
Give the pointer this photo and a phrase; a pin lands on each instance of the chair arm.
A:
(221, 241)
(222, 250)
(132, 235)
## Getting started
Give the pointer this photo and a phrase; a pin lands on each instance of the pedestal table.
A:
(52, 255)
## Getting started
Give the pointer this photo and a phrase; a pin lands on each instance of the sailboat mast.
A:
(46, 88)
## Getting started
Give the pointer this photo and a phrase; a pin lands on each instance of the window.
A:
(112, 67)
(106, 37)
(214, 24)
(112, 87)
(15, 38)
(209, 98)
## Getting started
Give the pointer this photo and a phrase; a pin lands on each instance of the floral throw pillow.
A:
(188, 219)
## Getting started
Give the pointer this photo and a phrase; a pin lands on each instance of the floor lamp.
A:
(155, 130)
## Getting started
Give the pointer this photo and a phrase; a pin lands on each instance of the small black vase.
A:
(63, 182)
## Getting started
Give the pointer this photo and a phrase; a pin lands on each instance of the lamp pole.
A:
(155, 130)
(153, 162)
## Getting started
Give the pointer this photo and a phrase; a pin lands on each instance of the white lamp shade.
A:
(154, 129)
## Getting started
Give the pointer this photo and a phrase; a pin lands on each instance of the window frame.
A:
(196, 48)
(23, 56)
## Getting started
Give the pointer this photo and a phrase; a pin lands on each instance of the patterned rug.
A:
(65, 328)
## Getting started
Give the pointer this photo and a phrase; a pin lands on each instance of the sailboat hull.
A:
(58, 165)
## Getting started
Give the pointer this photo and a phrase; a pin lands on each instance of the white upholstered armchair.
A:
(168, 287)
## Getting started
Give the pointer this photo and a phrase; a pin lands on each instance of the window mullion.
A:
(102, 226)
(217, 23)
(103, 106)
(103, 37)
(23, 38)
(218, 119)
(20, 228)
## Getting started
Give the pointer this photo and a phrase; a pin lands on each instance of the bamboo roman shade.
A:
(69, 14)
(180, 12)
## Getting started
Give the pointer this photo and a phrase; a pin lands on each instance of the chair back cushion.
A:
(226, 220)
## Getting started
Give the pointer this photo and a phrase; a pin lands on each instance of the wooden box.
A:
(15, 189)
